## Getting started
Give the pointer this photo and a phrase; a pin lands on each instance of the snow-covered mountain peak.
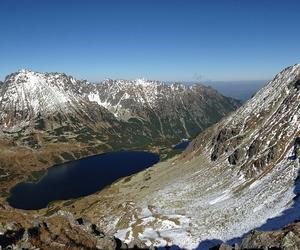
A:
(20, 75)
(24, 71)
(28, 94)
(139, 82)
(147, 83)
(34, 79)
(179, 86)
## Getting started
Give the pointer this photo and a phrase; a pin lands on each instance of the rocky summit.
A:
(238, 175)
(51, 118)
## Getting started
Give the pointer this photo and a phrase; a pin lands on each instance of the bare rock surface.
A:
(59, 231)
(287, 238)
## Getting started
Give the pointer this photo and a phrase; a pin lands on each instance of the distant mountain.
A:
(49, 118)
(237, 175)
(169, 111)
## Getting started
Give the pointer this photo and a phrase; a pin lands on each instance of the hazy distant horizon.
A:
(241, 90)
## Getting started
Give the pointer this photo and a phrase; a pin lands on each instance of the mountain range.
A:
(50, 118)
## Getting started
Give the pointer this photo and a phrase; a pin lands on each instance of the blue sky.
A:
(159, 39)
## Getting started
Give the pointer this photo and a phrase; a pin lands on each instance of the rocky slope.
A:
(59, 231)
(49, 118)
(287, 238)
(167, 110)
(233, 178)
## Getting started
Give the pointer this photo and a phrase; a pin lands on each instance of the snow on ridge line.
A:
(51, 76)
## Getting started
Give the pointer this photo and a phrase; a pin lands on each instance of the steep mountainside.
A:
(232, 178)
(165, 109)
(49, 118)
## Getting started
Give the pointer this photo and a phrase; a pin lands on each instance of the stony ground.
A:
(19, 230)
(287, 238)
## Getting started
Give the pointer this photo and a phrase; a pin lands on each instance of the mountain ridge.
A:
(50, 118)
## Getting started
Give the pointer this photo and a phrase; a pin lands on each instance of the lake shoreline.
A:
(66, 181)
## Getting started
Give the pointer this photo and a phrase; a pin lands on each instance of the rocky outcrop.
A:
(236, 156)
(221, 143)
(287, 238)
(58, 231)
(297, 84)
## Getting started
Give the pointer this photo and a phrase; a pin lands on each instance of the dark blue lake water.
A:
(182, 145)
(79, 178)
